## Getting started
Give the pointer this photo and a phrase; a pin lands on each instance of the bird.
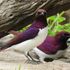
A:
(17, 37)
(53, 47)
(25, 46)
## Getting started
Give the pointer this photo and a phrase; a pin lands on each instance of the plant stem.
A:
(58, 16)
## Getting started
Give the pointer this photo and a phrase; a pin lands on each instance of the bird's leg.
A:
(29, 55)
(29, 58)
(32, 57)
(35, 57)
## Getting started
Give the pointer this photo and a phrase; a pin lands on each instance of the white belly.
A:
(30, 44)
(43, 55)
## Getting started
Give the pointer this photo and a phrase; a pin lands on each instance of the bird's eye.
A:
(39, 12)
(66, 34)
(45, 13)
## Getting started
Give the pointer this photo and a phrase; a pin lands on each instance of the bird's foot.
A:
(32, 58)
(29, 58)
(35, 57)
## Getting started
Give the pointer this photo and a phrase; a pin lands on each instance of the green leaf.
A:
(55, 20)
(25, 28)
(60, 19)
(55, 30)
(54, 26)
(67, 27)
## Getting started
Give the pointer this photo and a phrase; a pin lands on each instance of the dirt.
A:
(11, 60)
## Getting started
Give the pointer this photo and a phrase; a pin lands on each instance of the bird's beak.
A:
(42, 13)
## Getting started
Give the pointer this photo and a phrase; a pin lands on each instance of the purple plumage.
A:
(39, 23)
(52, 44)
(28, 34)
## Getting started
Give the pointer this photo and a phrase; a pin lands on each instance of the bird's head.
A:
(63, 36)
(41, 13)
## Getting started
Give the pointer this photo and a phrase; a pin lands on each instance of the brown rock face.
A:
(15, 14)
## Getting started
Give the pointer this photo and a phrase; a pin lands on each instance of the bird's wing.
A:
(28, 34)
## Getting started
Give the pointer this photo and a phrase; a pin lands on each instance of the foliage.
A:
(24, 28)
(67, 27)
(55, 26)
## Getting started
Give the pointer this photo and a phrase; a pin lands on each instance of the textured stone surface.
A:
(13, 12)
(10, 60)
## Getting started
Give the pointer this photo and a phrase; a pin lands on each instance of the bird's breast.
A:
(31, 43)
(41, 54)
